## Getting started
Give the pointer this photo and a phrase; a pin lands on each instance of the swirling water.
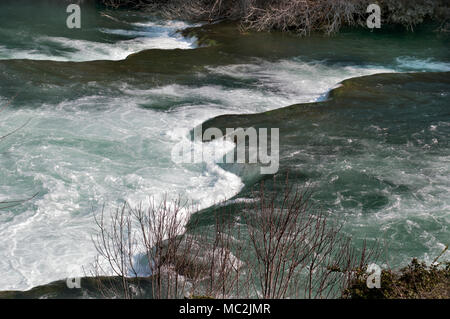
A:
(107, 103)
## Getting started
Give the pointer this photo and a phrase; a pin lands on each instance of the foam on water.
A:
(410, 192)
(141, 36)
(99, 150)
(80, 160)
(90, 51)
(424, 65)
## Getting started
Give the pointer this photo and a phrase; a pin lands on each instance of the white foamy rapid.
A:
(99, 150)
(422, 65)
(138, 37)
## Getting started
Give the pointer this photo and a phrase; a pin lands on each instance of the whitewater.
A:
(97, 150)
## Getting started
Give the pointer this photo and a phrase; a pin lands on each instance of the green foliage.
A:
(415, 281)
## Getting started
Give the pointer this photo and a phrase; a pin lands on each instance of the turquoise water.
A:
(375, 155)
(107, 103)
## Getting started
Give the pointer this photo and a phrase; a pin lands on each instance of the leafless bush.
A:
(177, 264)
(303, 16)
(198, 10)
(299, 251)
(278, 249)
(153, 233)
(129, 3)
(411, 13)
(299, 16)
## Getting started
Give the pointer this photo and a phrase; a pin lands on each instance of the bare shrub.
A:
(299, 16)
(153, 233)
(411, 13)
(303, 16)
(299, 251)
(278, 248)
(176, 264)
(128, 3)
